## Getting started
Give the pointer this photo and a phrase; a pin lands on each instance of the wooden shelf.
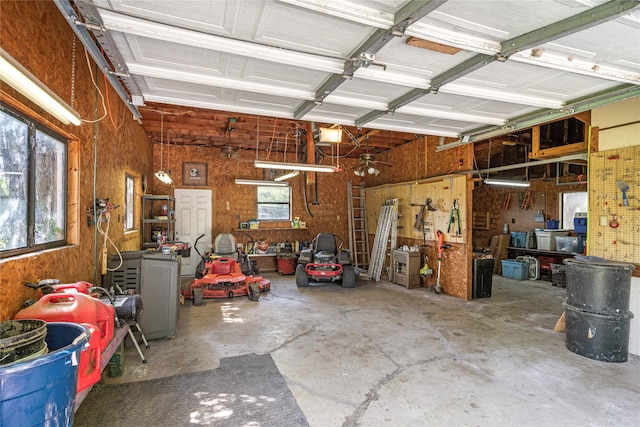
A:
(269, 229)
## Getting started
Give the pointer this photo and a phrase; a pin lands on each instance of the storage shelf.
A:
(269, 229)
(151, 207)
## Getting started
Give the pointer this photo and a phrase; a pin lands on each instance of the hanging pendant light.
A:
(161, 174)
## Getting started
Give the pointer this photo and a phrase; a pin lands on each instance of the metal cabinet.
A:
(406, 269)
(156, 277)
(160, 291)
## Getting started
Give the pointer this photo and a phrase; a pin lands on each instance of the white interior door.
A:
(193, 218)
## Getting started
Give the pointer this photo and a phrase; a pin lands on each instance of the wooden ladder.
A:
(358, 231)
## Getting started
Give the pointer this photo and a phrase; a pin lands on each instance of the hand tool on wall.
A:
(454, 217)
(624, 187)
(441, 248)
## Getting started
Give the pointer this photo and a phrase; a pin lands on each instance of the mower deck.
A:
(223, 278)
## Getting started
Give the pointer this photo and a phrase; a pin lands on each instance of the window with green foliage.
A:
(274, 203)
(128, 203)
(33, 196)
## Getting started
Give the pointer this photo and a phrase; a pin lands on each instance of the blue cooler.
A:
(580, 223)
(580, 227)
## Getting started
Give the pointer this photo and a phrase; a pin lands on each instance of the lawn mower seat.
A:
(225, 245)
(326, 242)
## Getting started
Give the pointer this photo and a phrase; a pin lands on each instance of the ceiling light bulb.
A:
(371, 170)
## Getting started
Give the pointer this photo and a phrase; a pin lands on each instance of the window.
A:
(33, 197)
(274, 203)
(572, 203)
(128, 203)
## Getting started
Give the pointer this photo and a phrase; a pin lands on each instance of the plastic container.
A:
(518, 239)
(89, 369)
(21, 339)
(599, 287)
(580, 225)
(286, 265)
(603, 337)
(566, 244)
(482, 277)
(553, 224)
(73, 307)
(559, 275)
(512, 269)
(42, 391)
(546, 239)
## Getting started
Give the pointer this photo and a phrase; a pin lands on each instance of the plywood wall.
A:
(117, 143)
(234, 203)
(442, 192)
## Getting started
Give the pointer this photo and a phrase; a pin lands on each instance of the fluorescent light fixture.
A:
(293, 166)
(332, 135)
(507, 183)
(286, 176)
(262, 183)
(27, 84)
(164, 177)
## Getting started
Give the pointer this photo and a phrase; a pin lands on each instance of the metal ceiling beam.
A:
(459, 70)
(364, 55)
(82, 33)
(571, 158)
(589, 18)
(620, 93)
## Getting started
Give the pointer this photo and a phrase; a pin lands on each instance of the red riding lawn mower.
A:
(225, 274)
(326, 261)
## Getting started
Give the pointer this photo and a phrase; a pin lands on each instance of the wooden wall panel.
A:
(329, 215)
(490, 199)
(120, 147)
(455, 277)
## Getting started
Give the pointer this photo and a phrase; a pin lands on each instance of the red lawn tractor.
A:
(223, 276)
(326, 261)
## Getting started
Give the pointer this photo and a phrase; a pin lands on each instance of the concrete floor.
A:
(382, 355)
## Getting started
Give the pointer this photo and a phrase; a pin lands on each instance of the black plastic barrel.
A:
(597, 309)
(603, 337)
(599, 287)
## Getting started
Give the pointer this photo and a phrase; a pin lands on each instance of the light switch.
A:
(603, 220)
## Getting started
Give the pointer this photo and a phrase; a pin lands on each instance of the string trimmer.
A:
(441, 248)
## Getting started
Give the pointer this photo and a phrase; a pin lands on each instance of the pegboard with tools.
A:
(614, 205)
(446, 210)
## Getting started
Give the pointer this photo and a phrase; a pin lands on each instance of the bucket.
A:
(42, 391)
(603, 337)
(286, 265)
(21, 339)
(599, 287)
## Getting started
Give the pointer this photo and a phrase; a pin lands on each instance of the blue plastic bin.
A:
(42, 391)
(512, 269)
(518, 239)
(553, 224)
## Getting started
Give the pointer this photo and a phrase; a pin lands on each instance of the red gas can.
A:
(72, 306)
(90, 359)
(82, 287)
